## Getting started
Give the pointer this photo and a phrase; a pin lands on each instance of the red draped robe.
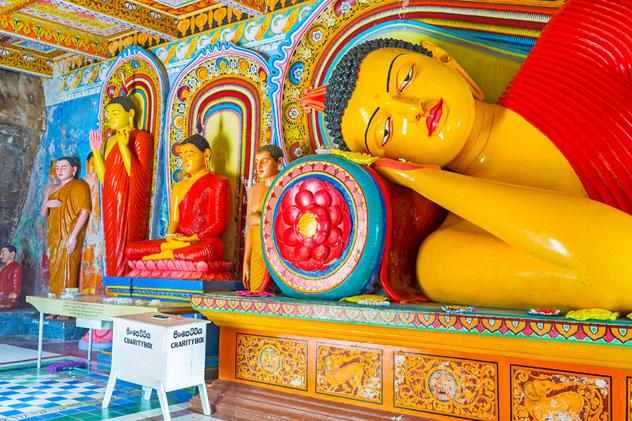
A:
(202, 211)
(576, 88)
(126, 200)
(10, 283)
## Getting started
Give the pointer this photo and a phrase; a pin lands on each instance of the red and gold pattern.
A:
(53, 34)
(16, 58)
(275, 361)
(430, 370)
(141, 17)
(349, 372)
(450, 386)
(539, 394)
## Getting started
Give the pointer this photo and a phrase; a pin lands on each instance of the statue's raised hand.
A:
(96, 140)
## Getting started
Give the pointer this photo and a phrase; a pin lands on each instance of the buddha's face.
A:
(193, 159)
(117, 117)
(65, 171)
(265, 165)
(408, 105)
(6, 256)
(90, 166)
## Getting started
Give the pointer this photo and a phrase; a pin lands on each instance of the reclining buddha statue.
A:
(193, 247)
(538, 186)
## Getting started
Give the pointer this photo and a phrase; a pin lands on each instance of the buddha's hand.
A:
(122, 136)
(96, 140)
(402, 173)
(71, 243)
(246, 275)
(182, 237)
(53, 203)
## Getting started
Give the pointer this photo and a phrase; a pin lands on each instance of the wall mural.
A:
(68, 125)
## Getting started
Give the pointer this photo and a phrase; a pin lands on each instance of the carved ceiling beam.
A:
(134, 15)
(50, 33)
(253, 8)
(22, 61)
(15, 6)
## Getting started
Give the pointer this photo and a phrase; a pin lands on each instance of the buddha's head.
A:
(52, 173)
(90, 166)
(391, 98)
(67, 168)
(268, 161)
(195, 152)
(120, 113)
(7, 254)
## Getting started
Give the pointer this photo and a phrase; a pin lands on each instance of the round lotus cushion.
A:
(323, 228)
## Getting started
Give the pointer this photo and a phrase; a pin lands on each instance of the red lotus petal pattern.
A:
(313, 225)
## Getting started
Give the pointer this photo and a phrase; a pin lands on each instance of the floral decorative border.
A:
(427, 317)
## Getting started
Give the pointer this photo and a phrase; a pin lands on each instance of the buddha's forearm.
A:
(99, 165)
(555, 227)
(81, 222)
(126, 155)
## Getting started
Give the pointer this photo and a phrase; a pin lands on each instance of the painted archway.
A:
(222, 94)
(139, 75)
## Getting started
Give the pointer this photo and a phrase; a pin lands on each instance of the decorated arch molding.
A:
(224, 82)
(139, 75)
(309, 54)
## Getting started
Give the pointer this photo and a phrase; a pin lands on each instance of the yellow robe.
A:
(259, 278)
(64, 268)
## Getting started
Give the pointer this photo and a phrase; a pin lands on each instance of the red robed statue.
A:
(125, 170)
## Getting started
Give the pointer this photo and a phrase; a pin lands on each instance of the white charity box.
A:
(159, 351)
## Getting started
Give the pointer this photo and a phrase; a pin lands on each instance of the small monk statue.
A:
(125, 170)
(10, 278)
(538, 186)
(69, 208)
(91, 272)
(198, 211)
(268, 161)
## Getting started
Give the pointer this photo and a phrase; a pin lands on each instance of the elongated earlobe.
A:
(131, 118)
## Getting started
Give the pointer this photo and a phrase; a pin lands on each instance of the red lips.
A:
(432, 121)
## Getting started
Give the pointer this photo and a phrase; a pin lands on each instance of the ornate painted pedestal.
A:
(415, 360)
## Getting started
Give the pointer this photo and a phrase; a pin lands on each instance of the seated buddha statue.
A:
(538, 186)
(10, 278)
(198, 212)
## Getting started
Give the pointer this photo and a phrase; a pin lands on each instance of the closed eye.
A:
(409, 76)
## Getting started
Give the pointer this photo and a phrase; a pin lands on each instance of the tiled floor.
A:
(76, 394)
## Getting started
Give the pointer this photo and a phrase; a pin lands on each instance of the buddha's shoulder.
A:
(216, 178)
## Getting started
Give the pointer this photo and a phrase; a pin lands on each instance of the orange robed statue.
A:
(10, 278)
(199, 212)
(125, 170)
(268, 161)
(69, 208)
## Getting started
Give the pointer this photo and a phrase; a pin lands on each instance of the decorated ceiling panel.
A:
(36, 34)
